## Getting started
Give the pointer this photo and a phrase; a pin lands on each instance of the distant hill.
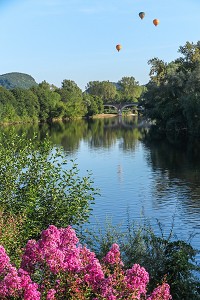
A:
(15, 79)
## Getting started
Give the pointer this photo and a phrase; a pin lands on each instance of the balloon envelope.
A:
(118, 47)
(156, 22)
(141, 15)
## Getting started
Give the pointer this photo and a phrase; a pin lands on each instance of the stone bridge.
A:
(120, 106)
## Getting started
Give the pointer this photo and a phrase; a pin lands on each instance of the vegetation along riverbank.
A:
(39, 198)
(36, 192)
(170, 99)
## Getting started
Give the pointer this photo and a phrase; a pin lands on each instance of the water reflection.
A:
(132, 171)
(175, 184)
(176, 166)
(98, 133)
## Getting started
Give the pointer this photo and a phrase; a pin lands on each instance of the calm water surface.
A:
(136, 177)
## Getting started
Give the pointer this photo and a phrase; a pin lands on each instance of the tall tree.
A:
(172, 97)
(106, 90)
(27, 104)
(8, 105)
(94, 104)
(7, 97)
(71, 96)
(48, 100)
(130, 89)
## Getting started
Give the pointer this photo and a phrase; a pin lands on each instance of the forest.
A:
(171, 98)
(45, 102)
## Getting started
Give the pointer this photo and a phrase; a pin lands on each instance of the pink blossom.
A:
(25, 278)
(57, 266)
(161, 292)
(137, 279)
(12, 281)
(51, 294)
(91, 267)
(31, 292)
(68, 237)
(4, 260)
(30, 256)
(113, 256)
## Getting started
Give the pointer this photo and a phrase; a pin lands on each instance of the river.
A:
(137, 178)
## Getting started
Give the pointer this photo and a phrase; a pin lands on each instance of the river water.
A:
(137, 178)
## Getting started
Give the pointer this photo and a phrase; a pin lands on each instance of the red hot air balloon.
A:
(118, 47)
(156, 22)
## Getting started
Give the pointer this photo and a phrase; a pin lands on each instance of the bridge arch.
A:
(120, 106)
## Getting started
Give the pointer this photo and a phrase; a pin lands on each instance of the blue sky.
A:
(54, 40)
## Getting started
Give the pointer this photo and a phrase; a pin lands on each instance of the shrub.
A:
(37, 181)
(58, 267)
(10, 235)
(159, 255)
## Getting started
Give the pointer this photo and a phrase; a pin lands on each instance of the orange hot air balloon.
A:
(118, 47)
(141, 15)
(156, 22)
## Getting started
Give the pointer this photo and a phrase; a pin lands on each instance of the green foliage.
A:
(161, 256)
(158, 70)
(27, 105)
(69, 91)
(71, 96)
(104, 89)
(172, 96)
(38, 182)
(125, 90)
(44, 102)
(48, 101)
(10, 235)
(15, 79)
(130, 90)
(7, 113)
(6, 97)
(94, 104)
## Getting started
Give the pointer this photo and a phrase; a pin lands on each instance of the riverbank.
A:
(98, 116)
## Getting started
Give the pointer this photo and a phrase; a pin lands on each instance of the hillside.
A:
(15, 79)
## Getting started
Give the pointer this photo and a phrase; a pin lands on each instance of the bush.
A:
(38, 182)
(10, 235)
(57, 267)
(159, 255)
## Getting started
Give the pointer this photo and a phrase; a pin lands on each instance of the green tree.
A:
(104, 89)
(158, 70)
(171, 99)
(108, 90)
(27, 104)
(190, 56)
(71, 96)
(190, 101)
(8, 113)
(7, 97)
(37, 181)
(8, 105)
(94, 104)
(49, 101)
(129, 89)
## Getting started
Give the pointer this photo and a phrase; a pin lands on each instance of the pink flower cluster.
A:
(15, 283)
(58, 267)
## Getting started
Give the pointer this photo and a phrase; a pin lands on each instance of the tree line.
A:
(39, 187)
(172, 96)
(45, 101)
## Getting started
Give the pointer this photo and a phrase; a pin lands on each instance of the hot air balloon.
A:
(118, 47)
(141, 15)
(156, 22)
